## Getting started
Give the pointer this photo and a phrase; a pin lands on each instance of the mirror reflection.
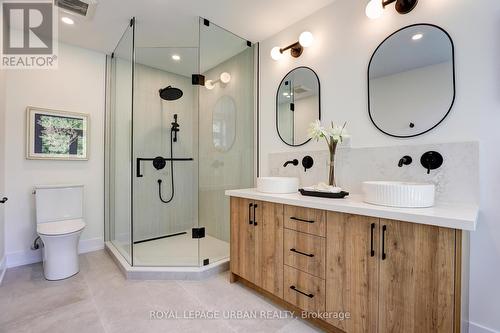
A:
(297, 105)
(411, 81)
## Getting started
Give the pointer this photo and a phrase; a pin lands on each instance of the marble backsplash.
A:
(457, 180)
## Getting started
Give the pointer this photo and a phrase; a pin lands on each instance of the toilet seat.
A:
(59, 228)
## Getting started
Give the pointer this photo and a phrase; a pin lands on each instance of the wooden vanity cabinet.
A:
(352, 273)
(257, 243)
(390, 276)
(417, 278)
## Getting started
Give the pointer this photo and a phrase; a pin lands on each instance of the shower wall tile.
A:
(456, 181)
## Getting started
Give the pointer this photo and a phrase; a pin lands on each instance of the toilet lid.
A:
(60, 227)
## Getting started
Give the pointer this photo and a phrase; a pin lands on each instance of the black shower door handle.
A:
(4, 200)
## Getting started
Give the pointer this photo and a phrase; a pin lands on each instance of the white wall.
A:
(344, 42)
(77, 85)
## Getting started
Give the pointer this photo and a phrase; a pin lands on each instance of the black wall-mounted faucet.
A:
(405, 160)
(295, 162)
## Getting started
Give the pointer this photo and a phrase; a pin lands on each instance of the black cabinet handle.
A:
(301, 292)
(250, 213)
(254, 215)
(372, 251)
(301, 220)
(302, 253)
(4, 200)
(384, 256)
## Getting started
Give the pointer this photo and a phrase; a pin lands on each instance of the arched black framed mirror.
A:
(298, 104)
(411, 81)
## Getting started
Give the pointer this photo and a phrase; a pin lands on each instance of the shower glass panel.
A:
(226, 118)
(119, 119)
(166, 194)
(175, 145)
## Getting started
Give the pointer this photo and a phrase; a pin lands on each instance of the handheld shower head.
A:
(170, 93)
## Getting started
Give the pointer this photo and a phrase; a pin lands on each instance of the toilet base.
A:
(60, 256)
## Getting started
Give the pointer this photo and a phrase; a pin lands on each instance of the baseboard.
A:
(91, 245)
(3, 268)
(476, 328)
(21, 258)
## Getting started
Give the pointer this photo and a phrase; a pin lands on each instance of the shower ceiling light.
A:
(306, 39)
(176, 57)
(375, 8)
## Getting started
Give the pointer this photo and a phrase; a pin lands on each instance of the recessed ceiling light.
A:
(67, 20)
(417, 36)
(176, 57)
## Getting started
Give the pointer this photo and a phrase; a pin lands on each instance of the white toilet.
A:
(59, 222)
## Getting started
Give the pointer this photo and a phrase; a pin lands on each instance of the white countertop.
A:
(448, 215)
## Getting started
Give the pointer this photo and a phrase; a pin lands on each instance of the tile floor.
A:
(99, 299)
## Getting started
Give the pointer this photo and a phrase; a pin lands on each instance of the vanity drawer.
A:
(304, 290)
(308, 220)
(305, 252)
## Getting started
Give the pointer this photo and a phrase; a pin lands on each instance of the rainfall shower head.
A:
(170, 93)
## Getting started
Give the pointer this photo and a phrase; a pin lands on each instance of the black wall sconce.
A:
(306, 39)
(375, 8)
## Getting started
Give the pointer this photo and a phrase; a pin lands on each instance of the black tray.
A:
(340, 195)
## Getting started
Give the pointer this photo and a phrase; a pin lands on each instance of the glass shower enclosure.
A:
(179, 132)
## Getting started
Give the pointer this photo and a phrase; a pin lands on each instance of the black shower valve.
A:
(307, 162)
(431, 160)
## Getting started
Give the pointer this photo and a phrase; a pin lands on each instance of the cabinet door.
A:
(242, 239)
(352, 271)
(416, 278)
(269, 247)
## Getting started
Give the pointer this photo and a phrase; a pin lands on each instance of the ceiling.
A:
(174, 23)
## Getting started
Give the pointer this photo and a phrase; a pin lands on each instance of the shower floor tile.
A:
(181, 250)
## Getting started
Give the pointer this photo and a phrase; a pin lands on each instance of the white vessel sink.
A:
(277, 185)
(399, 194)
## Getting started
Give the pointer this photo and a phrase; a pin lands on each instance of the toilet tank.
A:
(58, 202)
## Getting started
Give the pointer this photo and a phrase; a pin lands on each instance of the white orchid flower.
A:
(332, 134)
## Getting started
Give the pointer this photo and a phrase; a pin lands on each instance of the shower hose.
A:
(171, 172)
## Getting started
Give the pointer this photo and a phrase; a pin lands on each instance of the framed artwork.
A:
(57, 135)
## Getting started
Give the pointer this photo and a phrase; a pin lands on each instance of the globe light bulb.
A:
(306, 39)
(209, 84)
(276, 53)
(225, 77)
(374, 9)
